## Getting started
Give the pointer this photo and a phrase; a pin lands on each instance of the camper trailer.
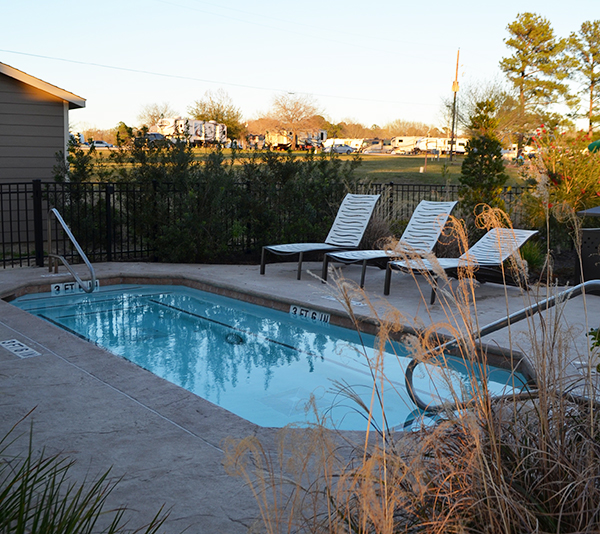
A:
(441, 145)
(404, 145)
(283, 140)
(460, 145)
(196, 132)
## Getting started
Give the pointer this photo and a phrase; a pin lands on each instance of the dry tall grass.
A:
(528, 462)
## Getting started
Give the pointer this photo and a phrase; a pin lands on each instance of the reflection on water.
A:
(258, 363)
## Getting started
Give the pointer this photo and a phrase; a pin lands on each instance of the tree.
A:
(585, 47)
(483, 167)
(401, 127)
(351, 129)
(484, 121)
(333, 130)
(492, 92)
(152, 113)
(482, 171)
(538, 67)
(124, 133)
(218, 106)
(294, 113)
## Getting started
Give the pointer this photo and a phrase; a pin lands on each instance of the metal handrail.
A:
(490, 328)
(54, 211)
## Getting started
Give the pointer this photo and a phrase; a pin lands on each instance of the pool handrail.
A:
(65, 227)
(488, 329)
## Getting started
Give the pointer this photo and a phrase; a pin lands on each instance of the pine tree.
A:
(482, 171)
(585, 47)
(538, 67)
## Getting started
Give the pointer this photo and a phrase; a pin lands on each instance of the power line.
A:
(204, 80)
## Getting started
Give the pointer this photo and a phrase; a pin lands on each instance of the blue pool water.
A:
(258, 363)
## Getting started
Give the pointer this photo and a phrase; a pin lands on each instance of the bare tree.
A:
(495, 93)
(294, 113)
(351, 129)
(152, 113)
(401, 127)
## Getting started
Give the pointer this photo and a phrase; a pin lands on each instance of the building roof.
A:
(75, 102)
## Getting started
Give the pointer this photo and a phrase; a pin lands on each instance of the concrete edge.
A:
(491, 354)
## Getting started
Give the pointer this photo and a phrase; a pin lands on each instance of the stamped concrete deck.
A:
(166, 444)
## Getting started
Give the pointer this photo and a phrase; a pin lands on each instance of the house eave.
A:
(74, 101)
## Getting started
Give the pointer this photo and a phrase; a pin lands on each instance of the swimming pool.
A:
(258, 363)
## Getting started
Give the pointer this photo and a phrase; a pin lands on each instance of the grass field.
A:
(410, 169)
(397, 169)
(417, 169)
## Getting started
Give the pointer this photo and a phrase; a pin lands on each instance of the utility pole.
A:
(455, 91)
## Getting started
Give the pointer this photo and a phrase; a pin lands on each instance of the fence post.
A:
(38, 225)
(154, 225)
(390, 210)
(110, 189)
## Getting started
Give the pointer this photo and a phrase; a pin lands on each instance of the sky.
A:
(368, 62)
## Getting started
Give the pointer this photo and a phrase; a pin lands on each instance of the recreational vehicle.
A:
(441, 145)
(404, 145)
(196, 132)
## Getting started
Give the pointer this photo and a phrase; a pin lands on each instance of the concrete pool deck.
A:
(165, 443)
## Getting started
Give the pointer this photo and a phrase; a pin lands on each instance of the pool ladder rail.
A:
(490, 328)
(53, 258)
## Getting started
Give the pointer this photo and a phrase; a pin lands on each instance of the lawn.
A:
(417, 169)
(387, 168)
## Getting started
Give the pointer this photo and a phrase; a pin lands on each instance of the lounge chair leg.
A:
(388, 279)
(300, 265)
(325, 267)
(362, 274)
(433, 290)
(262, 261)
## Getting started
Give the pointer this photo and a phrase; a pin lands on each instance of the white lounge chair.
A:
(346, 232)
(491, 251)
(419, 237)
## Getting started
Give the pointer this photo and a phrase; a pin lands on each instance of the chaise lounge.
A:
(491, 251)
(346, 232)
(420, 237)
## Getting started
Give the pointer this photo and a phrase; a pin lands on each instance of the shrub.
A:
(36, 496)
(482, 178)
(566, 178)
(189, 210)
(527, 462)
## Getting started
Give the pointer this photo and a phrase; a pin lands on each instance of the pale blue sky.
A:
(395, 60)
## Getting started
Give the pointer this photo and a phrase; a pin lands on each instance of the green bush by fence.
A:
(163, 205)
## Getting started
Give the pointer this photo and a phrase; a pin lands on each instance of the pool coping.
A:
(487, 353)
(191, 428)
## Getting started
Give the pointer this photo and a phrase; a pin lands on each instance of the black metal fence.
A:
(117, 221)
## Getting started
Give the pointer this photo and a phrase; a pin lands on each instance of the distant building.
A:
(34, 125)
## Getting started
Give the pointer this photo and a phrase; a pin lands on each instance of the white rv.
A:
(460, 145)
(441, 145)
(404, 145)
(197, 132)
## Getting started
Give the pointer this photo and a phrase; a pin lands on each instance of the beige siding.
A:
(32, 131)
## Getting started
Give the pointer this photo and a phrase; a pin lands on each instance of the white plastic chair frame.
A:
(419, 237)
(346, 232)
(492, 250)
